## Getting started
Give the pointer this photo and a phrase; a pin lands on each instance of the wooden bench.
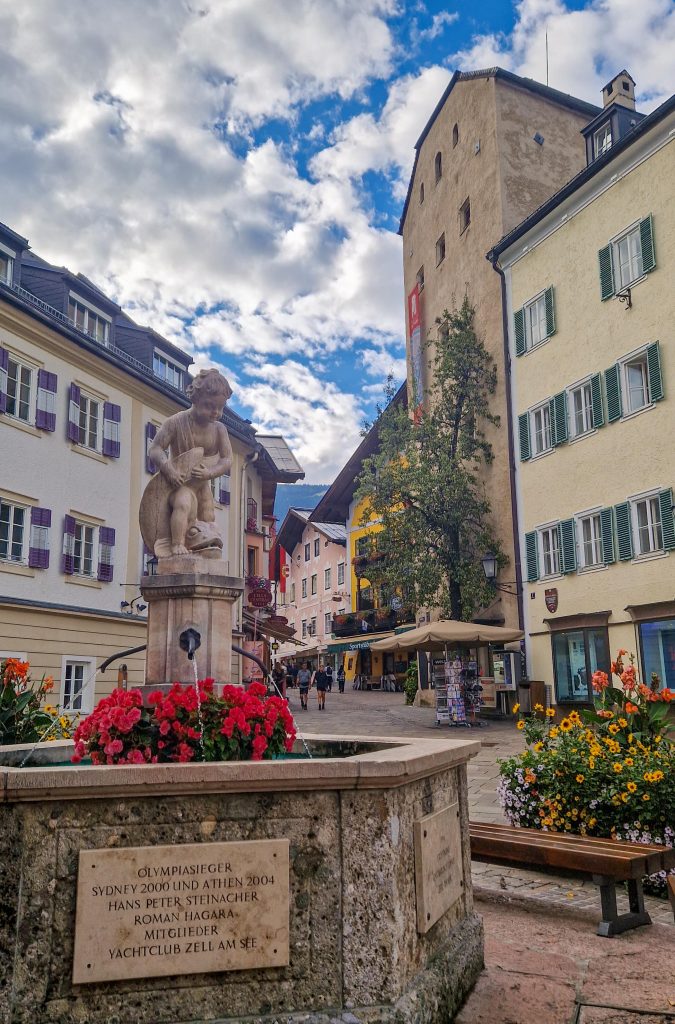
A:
(607, 861)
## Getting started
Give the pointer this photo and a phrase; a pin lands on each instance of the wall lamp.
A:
(490, 568)
(131, 608)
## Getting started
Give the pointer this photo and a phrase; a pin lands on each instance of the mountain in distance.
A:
(297, 496)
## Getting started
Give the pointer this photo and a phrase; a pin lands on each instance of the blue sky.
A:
(232, 172)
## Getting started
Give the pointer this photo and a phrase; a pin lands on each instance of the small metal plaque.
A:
(151, 911)
(439, 871)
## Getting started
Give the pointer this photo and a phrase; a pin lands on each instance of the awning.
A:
(358, 642)
(282, 633)
(434, 635)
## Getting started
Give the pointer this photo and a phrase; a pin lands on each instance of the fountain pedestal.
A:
(190, 591)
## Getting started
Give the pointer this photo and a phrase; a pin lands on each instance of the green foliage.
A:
(411, 683)
(424, 482)
(23, 717)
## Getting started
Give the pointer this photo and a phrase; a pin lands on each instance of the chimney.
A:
(621, 90)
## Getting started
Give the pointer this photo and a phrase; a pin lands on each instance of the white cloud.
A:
(439, 22)
(382, 363)
(586, 47)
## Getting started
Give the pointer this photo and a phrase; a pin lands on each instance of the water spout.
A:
(190, 640)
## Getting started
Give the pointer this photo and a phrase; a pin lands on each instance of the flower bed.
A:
(605, 772)
(182, 726)
(25, 717)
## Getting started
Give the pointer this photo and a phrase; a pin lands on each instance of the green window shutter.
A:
(596, 399)
(532, 556)
(667, 523)
(550, 312)
(524, 436)
(647, 244)
(607, 536)
(568, 545)
(654, 372)
(519, 329)
(623, 531)
(606, 272)
(613, 393)
(558, 412)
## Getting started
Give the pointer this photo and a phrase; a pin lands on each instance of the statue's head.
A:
(208, 392)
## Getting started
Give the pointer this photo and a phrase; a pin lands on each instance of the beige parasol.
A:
(435, 635)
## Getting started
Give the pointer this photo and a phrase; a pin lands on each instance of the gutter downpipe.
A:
(494, 260)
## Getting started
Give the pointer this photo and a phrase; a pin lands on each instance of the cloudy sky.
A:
(232, 171)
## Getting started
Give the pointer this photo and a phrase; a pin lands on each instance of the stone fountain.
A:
(330, 889)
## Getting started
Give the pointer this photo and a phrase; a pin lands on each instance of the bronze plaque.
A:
(151, 911)
(439, 871)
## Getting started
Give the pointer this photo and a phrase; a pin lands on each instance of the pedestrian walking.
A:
(341, 679)
(304, 679)
(320, 680)
(329, 677)
(289, 676)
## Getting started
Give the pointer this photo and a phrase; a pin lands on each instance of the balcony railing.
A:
(252, 515)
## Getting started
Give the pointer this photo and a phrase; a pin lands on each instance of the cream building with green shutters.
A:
(591, 312)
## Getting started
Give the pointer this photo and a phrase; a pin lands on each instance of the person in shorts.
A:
(304, 679)
(320, 680)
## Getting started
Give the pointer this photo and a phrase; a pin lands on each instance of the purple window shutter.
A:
(4, 366)
(73, 415)
(112, 416)
(224, 490)
(106, 545)
(38, 551)
(68, 561)
(150, 433)
(45, 415)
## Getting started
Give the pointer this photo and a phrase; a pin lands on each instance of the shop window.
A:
(657, 648)
(577, 654)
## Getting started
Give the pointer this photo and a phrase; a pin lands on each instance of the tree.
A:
(425, 481)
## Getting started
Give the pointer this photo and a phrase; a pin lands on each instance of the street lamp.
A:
(489, 563)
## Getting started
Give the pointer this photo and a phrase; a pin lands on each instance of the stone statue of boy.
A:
(177, 511)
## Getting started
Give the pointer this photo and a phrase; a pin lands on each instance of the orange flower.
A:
(631, 708)
(530, 777)
(48, 684)
(605, 714)
(667, 695)
(622, 653)
(600, 681)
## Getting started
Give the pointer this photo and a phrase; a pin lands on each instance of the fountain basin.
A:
(351, 817)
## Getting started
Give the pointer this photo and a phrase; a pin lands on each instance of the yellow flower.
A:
(550, 712)
(617, 767)
(631, 787)
(554, 732)
(574, 718)
(580, 778)
(657, 739)
(515, 709)
(613, 728)
(538, 707)
(539, 746)
(646, 796)
(591, 762)
(623, 723)
(521, 724)
(63, 721)
(629, 762)
(657, 776)
(630, 737)
(565, 725)
(547, 821)
(624, 797)
(49, 709)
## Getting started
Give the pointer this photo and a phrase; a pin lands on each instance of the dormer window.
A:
(6, 265)
(166, 369)
(602, 140)
(88, 319)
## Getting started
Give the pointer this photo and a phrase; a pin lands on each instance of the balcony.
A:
(361, 562)
(377, 620)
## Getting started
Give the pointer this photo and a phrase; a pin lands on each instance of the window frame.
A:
(551, 530)
(527, 328)
(304, 628)
(303, 589)
(438, 167)
(327, 578)
(87, 692)
(440, 249)
(292, 600)
(22, 364)
(87, 398)
(465, 216)
(314, 587)
(419, 278)
(639, 356)
(587, 697)
(89, 310)
(83, 525)
(317, 547)
(8, 256)
(545, 409)
(654, 527)
(604, 129)
(590, 515)
(646, 670)
(25, 531)
(327, 622)
(571, 414)
(171, 364)
(308, 551)
(614, 244)
(341, 574)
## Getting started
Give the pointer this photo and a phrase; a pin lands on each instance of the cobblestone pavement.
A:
(356, 712)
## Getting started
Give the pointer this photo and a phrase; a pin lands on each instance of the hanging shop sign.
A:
(259, 598)
(277, 620)
(551, 598)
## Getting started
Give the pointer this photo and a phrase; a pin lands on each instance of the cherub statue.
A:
(177, 512)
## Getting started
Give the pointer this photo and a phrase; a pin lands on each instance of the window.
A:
(635, 384)
(341, 574)
(308, 552)
(317, 546)
(549, 550)
(304, 628)
(314, 583)
(312, 626)
(421, 192)
(657, 647)
(438, 167)
(541, 429)
(6, 265)
(627, 258)
(86, 320)
(363, 546)
(419, 277)
(251, 561)
(19, 388)
(304, 587)
(602, 140)
(647, 530)
(440, 249)
(581, 409)
(89, 422)
(327, 623)
(12, 532)
(535, 321)
(577, 654)
(464, 215)
(455, 135)
(167, 370)
(83, 550)
(590, 541)
(76, 689)
(292, 593)
(326, 579)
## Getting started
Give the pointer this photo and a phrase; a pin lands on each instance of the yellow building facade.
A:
(591, 311)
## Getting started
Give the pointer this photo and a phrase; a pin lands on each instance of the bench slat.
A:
(501, 832)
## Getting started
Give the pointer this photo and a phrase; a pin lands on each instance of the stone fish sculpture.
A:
(177, 515)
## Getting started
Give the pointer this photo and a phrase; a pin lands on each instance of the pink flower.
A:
(165, 727)
(114, 747)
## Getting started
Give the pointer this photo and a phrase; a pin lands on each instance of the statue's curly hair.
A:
(209, 382)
